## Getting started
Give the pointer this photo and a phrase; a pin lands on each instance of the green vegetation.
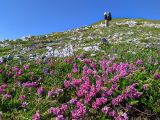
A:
(119, 81)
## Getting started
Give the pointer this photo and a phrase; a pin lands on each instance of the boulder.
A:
(104, 40)
(9, 57)
(1, 59)
(49, 48)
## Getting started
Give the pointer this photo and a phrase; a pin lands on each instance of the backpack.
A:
(108, 16)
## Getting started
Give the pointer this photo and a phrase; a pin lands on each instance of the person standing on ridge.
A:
(107, 18)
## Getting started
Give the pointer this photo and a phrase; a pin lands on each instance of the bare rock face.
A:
(91, 48)
(151, 25)
(66, 51)
(129, 23)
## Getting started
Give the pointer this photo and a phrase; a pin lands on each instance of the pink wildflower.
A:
(66, 84)
(123, 73)
(145, 86)
(64, 107)
(93, 65)
(40, 90)
(113, 114)
(1, 71)
(55, 111)
(87, 61)
(7, 96)
(122, 116)
(99, 102)
(109, 69)
(60, 117)
(76, 82)
(1, 90)
(15, 68)
(75, 68)
(157, 76)
(22, 97)
(8, 73)
(68, 60)
(115, 78)
(73, 101)
(24, 104)
(93, 91)
(69, 75)
(26, 66)
(87, 99)
(79, 112)
(19, 73)
(118, 99)
(50, 93)
(3, 86)
(105, 110)
(36, 116)
(89, 71)
(132, 92)
(139, 62)
(30, 84)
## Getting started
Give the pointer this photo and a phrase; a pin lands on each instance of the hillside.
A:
(138, 32)
(86, 73)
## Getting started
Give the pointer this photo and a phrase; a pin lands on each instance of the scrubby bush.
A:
(78, 88)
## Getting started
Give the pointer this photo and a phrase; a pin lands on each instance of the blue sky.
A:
(37, 17)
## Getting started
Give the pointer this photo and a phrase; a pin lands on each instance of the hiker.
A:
(107, 17)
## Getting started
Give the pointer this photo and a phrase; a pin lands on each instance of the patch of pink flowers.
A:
(3, 87)
(30, 84)
(96, 91)
(97, 88)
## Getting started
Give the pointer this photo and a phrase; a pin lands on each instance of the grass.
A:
(58, 70)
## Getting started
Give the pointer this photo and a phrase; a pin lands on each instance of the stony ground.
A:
(139, 32)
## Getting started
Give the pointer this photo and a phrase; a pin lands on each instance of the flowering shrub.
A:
(78, 88)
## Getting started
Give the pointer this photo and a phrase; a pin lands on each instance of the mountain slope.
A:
(133, 31)
(86, 73)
